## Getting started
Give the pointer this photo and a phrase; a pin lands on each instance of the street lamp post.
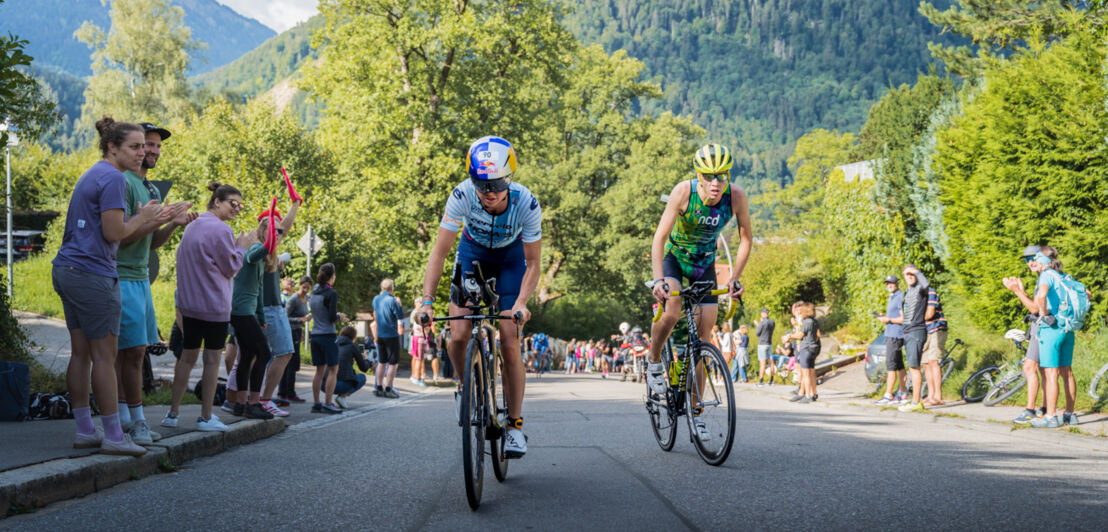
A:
(13, 140)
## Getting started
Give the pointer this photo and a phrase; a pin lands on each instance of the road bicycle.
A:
(706, 396)
(994, 384)
(1098, 387)
(946, 367)
(483, 411)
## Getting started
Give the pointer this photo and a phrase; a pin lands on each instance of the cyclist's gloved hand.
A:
(661, 290)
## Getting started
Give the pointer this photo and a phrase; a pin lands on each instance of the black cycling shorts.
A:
(671, 269)
(212, 335)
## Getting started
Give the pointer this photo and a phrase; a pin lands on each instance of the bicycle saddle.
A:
(1015, 335)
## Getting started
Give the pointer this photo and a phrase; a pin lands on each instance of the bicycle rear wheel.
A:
(474, 422)
(1007, 387)
(979, 384)
(946, 367)
(712, 404)
(496, 436)
(1098, 387)
(663, 417)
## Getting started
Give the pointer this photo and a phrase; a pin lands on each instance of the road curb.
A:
(37, 485)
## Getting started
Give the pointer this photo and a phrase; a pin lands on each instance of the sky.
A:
(279, 15)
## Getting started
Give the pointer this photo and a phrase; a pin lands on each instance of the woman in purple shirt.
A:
(208, 258)
(85, 279)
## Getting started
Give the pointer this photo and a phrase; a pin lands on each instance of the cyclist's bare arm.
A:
(740, 206)
(532, 252)
(678, 198)
(443, 242)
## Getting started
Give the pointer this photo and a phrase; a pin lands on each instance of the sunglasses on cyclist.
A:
(725, 176)
(494, 185)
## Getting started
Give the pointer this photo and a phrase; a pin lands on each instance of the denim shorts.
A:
(763, 352)
(278, 334)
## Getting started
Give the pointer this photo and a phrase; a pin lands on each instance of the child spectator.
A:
(742, 351)
(807, 350)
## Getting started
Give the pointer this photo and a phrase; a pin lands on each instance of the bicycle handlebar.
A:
(717, 292)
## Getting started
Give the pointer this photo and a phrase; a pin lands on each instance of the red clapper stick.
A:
(292, 191)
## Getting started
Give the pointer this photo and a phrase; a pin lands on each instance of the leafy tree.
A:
(22, 100)
(138, 65)
(799, 205)
(1025, 164)
(997, 27)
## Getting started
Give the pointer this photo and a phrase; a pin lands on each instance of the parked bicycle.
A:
(482, 411)
(1098, 387)
(705, 396)
(994, 384)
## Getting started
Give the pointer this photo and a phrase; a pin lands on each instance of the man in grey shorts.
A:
(915, 329)
(1031, 368)
(764, 332)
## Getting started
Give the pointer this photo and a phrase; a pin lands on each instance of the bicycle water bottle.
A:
(675, 372)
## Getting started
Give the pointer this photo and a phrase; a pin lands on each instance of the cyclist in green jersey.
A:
(685, 247)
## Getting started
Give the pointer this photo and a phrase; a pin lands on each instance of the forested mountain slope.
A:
(760, 73)
(48, 25)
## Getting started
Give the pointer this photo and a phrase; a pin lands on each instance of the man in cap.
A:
(764, 332)
(1035, 374)
(894, 344)
(138, 326)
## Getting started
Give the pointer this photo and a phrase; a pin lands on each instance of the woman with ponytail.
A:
(208, 258)
(85, 278)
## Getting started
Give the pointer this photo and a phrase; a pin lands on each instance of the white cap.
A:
(284, 257)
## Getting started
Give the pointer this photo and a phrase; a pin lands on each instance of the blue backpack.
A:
(15, 391)
(1075, 303)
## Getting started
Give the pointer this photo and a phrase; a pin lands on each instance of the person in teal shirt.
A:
(138, 326)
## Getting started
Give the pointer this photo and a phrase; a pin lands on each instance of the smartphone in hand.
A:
(877, 314)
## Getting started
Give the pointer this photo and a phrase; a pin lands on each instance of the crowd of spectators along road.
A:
(232, 306)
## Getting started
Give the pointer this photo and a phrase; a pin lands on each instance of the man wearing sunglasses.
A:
(501, 226)
(684, 247)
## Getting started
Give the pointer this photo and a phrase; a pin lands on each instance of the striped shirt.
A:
(937, 321)
(522, 218)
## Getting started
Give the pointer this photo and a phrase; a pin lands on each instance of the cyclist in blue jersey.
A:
(501, 226)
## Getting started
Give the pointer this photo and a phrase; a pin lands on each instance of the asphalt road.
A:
(592, 464)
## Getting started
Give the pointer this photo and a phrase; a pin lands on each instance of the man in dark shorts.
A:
(894, 342)
(915, 329)
(388, 314)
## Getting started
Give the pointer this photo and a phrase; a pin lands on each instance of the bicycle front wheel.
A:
(1007, 387)
(663, 418)
(1098, 387)
(500, 402)
(474, 421)
(979, 384)
(710, 404)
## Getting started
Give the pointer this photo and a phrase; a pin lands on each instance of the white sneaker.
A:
(515, 445)
(458, 407)
(211, 425)
(140, 433)
(272, 408)
(656, 378)
(124, 447)
(341, 401)
(170, 420)
(88, 441)
(702, 433)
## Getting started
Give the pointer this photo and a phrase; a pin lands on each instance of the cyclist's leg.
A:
(511, 265)
(661, 329)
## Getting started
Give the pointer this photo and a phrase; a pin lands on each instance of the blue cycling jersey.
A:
(522, 219)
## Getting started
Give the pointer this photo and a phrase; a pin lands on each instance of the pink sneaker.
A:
(272, 408)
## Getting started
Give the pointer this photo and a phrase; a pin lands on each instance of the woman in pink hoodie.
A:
(207, 260)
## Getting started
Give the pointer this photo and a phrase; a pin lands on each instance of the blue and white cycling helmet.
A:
(491, 162)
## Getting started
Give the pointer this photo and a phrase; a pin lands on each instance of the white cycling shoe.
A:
(702, 433)
(656, 378)
(515, 443)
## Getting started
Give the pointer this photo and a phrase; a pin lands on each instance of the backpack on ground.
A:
(220, 391)
(1075, 303)
(15, 391)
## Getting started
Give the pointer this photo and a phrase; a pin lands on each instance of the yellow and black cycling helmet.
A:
(713, 159)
